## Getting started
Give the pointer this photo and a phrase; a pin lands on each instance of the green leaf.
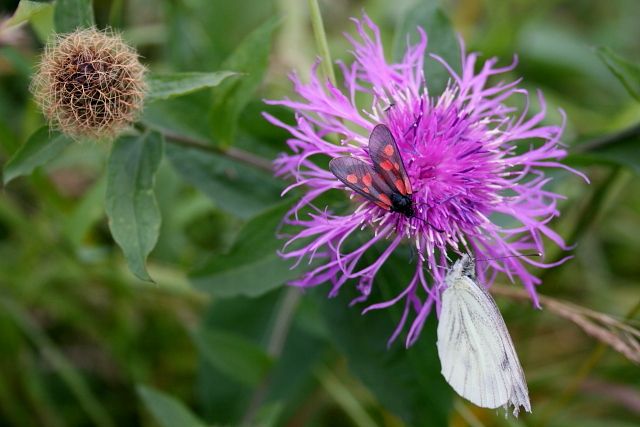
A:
(165, 86)
(180, 116)
(233, 355)
(166, 410)
(41, 147)
(70, 15)
(627, 72)
(134, 217)
(88, 211)
(224, 400)
(60, 365)
(621, 149)
(269, 414)
(442, 42)
(230, 98)
(252, 266)
(25, 11)
(237, 189)
(407, 381)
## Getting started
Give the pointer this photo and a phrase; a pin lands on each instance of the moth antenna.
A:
(426, 221)
(429, 224)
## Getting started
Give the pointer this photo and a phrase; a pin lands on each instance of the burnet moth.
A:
(386, 183)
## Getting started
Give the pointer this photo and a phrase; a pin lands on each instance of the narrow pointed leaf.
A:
(627, 72)
(233, 355)
(252, 267)
(165, 86)
(167, 410)
(25, 11)
(181, 116)
(237, 188)
(230, 98)
(442, 42)
(134, 217)
(407, 381)
(42, 147)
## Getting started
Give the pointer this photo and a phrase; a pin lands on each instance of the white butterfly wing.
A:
(476, 352)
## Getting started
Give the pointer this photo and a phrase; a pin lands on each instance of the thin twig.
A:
(584, 318)
(231, 152)
(581, 375)
(278, 337)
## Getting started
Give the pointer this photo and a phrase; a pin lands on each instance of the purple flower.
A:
(476, 165)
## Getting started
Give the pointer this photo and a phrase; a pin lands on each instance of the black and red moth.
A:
(386, 183)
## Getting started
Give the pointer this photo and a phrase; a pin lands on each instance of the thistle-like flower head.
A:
(89, 83)
(476, 167)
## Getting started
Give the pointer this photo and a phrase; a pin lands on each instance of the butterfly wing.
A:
(362, 179)
(475, 349)
(387, 160)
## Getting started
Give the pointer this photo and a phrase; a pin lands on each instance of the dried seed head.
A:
(89, 84)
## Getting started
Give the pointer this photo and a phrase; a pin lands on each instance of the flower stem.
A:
(321, 41)
(281, 328)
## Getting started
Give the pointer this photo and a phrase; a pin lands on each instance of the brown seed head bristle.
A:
(89, 84)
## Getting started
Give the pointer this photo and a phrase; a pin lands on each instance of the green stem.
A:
(581, 375)
(115, 13)
(321, 40)
(279, 334)
(231, 152)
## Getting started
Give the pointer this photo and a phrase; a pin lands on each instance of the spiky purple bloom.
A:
(476, 165)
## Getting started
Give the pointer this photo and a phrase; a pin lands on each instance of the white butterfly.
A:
(476, 352)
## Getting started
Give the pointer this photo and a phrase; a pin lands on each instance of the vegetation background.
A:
(217, 339)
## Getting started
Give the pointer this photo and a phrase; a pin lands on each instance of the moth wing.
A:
(477, 355)
(362, 179)
(387, 160)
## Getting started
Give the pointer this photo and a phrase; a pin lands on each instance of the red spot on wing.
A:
(367, 180)
(384, 199)
(407, 185)
(352, 178)
(400, 186)
(386, 165)
(396, 165)
(388, 150)
(366, 190)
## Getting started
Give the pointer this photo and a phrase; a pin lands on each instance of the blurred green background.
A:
(83, 342)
